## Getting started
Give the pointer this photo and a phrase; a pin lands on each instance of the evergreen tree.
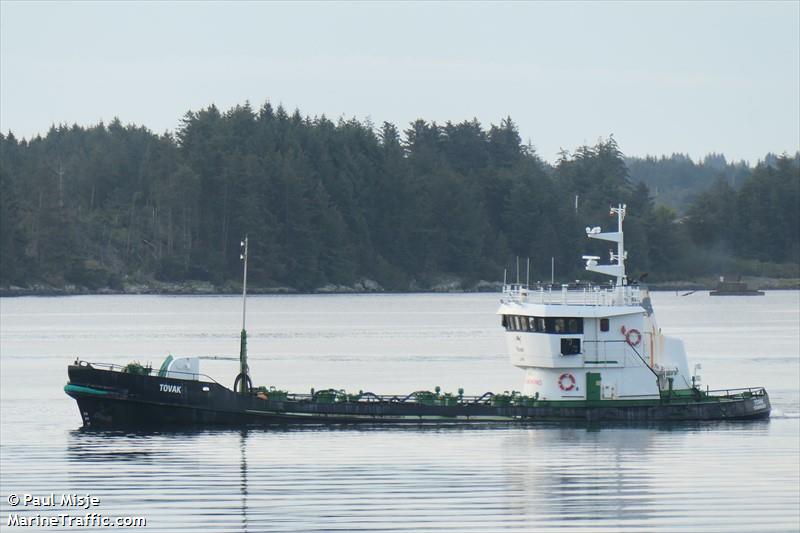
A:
(335, 202)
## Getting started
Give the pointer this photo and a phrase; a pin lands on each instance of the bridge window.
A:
(603, 324)
(570, 346)
(561, 326)
(533, 324)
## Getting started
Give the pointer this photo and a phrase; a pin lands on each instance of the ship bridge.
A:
(581, 341)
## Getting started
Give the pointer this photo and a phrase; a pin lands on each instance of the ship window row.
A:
(534, 324)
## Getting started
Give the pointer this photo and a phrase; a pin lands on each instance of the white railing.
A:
(573, 295)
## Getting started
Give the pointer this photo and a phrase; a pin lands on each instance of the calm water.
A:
(710, 477)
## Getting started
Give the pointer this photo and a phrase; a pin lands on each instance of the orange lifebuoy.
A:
(633, 337)
(566, 382)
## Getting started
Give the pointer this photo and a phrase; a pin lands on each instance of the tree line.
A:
(676, 180)
(336, 202)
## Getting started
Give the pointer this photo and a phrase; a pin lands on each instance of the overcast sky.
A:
(670, 77)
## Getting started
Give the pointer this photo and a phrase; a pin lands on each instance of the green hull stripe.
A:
(69, 387)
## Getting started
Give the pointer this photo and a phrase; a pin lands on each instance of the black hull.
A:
(115, 399)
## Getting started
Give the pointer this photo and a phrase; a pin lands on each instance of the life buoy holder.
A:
(633, 337)
(566, 382)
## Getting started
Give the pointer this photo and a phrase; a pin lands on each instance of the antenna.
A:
(243, 257)
(505, 271)
(552, 270)
(243, 380)
(517, 270)
(528, 275)
(576, 202)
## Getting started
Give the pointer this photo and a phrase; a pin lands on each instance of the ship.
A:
(734, 288)
(588, 352)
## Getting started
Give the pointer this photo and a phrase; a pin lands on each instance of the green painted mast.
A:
(243, 370)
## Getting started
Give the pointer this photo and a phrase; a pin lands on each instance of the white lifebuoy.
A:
(633, 337)
(566, 382)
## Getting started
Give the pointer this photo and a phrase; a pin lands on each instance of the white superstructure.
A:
(587, 342)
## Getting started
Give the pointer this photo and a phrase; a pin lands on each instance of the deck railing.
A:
(574, 294)
(150, 371)
(738, 392)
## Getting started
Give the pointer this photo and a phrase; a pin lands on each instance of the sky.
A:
(669, 77)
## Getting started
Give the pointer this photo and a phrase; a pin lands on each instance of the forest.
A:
(335, 203)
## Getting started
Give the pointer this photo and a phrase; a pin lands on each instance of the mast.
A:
(617, 269)
(243, 370)
(621, 255)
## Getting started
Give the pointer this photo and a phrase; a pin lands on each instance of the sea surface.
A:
(731, 476)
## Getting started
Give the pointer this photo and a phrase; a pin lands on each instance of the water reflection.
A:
(409, 479)
(243, 474)
(581, 475)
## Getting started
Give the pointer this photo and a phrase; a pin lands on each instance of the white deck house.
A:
(591, 342)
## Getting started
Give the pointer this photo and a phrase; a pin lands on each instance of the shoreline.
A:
(194, 288)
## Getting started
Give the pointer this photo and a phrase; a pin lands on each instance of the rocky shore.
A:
(444, 284)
